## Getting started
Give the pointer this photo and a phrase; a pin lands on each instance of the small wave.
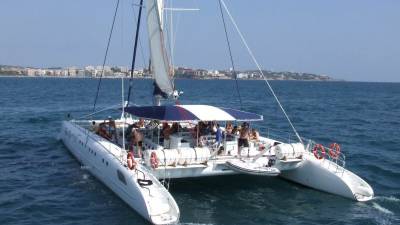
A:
(85, 176)
(37, 120)
(381, 209)
(387, 199)
(83, 167)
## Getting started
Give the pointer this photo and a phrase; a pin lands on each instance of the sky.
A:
(354, 40)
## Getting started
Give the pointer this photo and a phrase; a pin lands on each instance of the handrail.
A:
(339, 162)
(96, 141)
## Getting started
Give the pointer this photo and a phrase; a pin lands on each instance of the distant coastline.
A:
(180, 73)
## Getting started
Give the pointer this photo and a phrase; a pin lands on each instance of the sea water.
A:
(41, 182)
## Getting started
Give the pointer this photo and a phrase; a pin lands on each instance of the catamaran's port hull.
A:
(89, 150)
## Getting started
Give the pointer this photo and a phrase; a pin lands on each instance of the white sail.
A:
(159, 60)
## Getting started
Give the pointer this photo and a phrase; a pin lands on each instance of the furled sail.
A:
(159, 60)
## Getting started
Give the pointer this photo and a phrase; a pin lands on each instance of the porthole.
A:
(121, 177)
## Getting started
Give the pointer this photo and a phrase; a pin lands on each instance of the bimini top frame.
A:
(180, 113)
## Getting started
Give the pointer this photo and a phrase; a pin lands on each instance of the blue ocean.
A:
(42, 183)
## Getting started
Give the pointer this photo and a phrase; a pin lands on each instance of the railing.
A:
(280, 135)
(86, 126)
(337, 161)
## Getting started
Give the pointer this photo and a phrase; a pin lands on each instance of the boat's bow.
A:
(326, 175)
(161, 206)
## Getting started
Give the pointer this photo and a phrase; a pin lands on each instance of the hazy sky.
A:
(346, 39)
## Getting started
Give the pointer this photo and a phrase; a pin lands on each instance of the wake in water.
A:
(381, 208)
(387, 199)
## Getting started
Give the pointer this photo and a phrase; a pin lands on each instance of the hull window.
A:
(121, 177)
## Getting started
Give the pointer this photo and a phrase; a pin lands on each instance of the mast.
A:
(160, 66)
(134, 50)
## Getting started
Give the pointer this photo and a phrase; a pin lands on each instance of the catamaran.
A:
(136, 153)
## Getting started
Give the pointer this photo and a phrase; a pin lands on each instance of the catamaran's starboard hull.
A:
(327, 176)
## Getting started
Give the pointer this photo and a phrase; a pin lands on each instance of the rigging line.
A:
(171, 39)
(105, 56)
(260, 70)
(168, 31)
(98, 111)
(176, 31)
(230, 54)
(134, 50)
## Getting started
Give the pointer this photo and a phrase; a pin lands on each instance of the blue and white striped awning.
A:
(191, 113)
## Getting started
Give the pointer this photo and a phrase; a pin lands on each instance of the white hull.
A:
(154, 202)
(103, 159)
(327, 176)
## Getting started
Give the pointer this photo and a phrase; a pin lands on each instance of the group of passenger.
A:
(243, 133)
(106, 129)
(167, 130)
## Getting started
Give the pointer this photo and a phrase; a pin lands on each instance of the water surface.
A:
(41, 183)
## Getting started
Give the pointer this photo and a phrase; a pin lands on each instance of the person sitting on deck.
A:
(255, 136)
(140, 123)
(107, 129)
(243, 138)
(175, 128)
(130, 161)
(112, 129)
(236, 131)
(228, 128)
(213, 127)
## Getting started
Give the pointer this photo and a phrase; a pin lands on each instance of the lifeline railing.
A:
(82, 124)
(336, 160)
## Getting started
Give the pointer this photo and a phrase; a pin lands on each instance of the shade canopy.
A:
(191, 113)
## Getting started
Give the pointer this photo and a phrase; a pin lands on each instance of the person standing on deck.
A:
(218, 136)
(243, 138)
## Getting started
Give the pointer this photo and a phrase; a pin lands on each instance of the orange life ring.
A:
(153, 160)
(319, 151)
(334, 150)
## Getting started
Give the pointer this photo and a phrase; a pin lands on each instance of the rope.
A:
(259, 69)
(230, 54)
(99, 111)
(105, 56)
(134, 50)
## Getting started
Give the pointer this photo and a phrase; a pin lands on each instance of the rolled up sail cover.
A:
(159, 60)
(191, 113)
